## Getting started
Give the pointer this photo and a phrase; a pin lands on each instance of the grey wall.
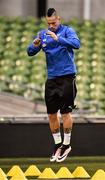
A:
(75, 8)
(67, 8)
(18, 7)
(97, 9)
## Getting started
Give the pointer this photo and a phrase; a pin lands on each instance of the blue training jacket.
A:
(59, 54)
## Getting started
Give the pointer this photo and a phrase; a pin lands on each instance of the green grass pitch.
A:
(91, 164)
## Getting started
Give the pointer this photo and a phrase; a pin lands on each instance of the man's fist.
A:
(52, 34)
(36, 42)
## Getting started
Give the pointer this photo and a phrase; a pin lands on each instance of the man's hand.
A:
(52, 34)
(36, 42)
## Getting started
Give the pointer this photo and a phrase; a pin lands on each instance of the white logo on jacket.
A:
(43, 45)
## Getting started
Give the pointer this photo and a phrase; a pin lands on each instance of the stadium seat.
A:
(26, 76)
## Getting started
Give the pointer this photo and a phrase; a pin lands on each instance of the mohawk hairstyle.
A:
(51, 12)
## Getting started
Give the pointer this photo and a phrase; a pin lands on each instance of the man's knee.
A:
(52, 117)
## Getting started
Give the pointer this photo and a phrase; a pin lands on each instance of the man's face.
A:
(53, 22)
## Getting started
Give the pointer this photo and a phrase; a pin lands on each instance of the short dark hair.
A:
(51, 12)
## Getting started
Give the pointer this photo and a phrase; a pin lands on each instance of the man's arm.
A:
(34, 47)
(71, 40)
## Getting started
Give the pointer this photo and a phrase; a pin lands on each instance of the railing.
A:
(43, 118)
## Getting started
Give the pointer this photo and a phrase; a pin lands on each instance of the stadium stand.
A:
(25, 76)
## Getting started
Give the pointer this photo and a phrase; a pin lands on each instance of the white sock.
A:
(57, 137)
(67, 138)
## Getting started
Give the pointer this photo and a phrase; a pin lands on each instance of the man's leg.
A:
(67, 127)
(55, 129)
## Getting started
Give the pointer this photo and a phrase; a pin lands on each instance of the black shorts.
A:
(60, 94)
